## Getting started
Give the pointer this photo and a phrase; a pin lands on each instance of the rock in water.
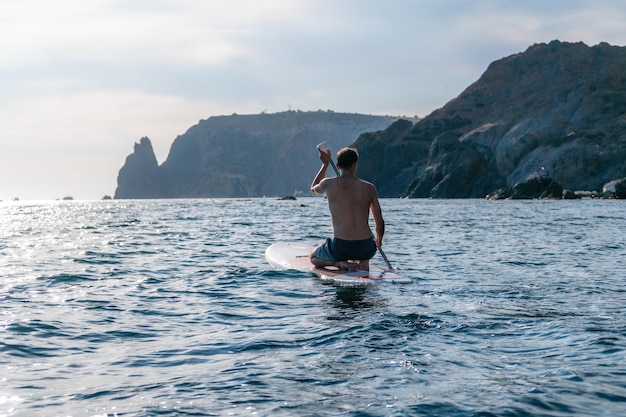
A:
(615, 189)
(536, 186)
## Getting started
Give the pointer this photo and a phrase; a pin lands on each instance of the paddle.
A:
(322, 146)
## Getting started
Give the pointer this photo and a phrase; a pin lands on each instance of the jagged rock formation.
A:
(560, 107)
(242, 155)
(140, 177)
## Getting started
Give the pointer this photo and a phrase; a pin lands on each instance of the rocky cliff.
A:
(242, 155)
(558, 108)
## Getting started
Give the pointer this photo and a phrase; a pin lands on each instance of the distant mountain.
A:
(242, 155)
(558, 109)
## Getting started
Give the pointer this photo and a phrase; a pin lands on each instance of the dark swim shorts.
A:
(336, 250)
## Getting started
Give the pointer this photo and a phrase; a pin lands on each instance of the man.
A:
(350, 200)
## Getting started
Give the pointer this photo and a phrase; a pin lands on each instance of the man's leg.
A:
(322, 257)
(344, 265)
(364, 265)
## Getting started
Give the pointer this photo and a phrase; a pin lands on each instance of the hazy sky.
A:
(83, 80)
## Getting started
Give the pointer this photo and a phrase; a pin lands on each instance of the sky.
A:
(82, 81)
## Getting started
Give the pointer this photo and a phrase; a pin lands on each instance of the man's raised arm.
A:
(316, 188)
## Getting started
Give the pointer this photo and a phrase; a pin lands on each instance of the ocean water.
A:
(168, 308)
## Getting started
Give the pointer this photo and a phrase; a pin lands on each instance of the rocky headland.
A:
(546, 123)
(552, 115)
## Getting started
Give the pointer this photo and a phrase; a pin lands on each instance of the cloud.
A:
(118, 32)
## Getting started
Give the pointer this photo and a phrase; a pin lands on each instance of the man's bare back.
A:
(349, 202)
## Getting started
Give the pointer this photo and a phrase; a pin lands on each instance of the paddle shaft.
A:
(332, 163)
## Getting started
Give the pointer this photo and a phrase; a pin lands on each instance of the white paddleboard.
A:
(295, 255)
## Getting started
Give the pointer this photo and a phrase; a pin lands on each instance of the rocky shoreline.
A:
(542, 187)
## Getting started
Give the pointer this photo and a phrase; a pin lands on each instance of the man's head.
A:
(347, 157)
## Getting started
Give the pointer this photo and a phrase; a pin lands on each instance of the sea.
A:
(168, 308)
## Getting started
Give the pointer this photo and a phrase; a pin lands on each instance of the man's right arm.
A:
(317, 187)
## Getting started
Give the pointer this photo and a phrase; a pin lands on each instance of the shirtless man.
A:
(349, 200)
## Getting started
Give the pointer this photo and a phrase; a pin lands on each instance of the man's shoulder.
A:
(327, 181)
(366, 183)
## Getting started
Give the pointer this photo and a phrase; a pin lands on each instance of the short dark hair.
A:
(346, 157)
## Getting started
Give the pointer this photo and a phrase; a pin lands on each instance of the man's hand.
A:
(325, 156)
